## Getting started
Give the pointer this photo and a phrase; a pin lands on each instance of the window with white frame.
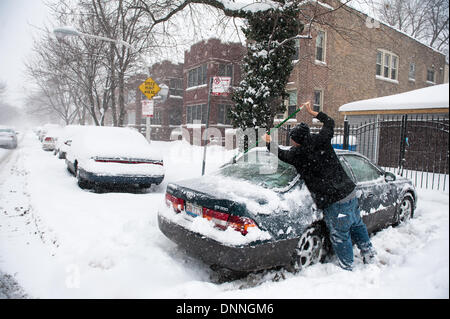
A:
(412, 71)
(318, 100)
(320, 46)
(387, 65)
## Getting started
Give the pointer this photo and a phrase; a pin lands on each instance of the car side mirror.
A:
(68, 143)
(389, 177)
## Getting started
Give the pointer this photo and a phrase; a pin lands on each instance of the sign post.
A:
(218, 85)
(149, 88)
(147, 112)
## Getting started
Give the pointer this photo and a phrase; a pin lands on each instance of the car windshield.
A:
(261, 168)
(6, 130)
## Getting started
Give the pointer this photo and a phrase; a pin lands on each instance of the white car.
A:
(64, 141)
(113, 156)
(8, 137)
(50, 138)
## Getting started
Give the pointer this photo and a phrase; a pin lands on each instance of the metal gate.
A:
(414, 146)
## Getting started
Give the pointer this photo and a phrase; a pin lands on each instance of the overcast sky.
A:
(17, 18)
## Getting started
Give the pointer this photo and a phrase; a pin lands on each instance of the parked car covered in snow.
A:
(50, 138)
(65, 140)
(8, 137)
(256, 212)
(113, 156)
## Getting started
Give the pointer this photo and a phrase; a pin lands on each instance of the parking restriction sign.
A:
(147, 108)
(220, 85)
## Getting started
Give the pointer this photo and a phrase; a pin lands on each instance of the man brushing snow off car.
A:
(331, 188)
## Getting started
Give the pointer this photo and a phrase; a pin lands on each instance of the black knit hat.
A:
(300, 133)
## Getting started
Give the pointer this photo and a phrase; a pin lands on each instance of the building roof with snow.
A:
(433, 99)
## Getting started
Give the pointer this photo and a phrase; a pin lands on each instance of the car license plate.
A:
(193, 210)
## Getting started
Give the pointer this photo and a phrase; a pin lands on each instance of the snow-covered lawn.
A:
(59, 241)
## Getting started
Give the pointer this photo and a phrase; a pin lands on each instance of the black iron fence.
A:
(415, 146)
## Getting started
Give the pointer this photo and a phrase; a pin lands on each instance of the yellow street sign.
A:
(149, 88)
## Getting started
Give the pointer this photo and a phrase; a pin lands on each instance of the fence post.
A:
(402, 160)
(346, 135)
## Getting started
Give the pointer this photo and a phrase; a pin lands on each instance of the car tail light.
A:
(219, 218)
(48, 139)
(241, 223)
(224, 220)
(175, 202)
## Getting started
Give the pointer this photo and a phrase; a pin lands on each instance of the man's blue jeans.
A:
(344, 223)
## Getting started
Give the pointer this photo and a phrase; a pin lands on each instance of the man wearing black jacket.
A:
(331, 188)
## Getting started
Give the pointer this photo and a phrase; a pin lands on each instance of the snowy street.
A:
(59, 241)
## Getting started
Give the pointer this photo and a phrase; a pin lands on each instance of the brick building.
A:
(203, 61)
(352, 57)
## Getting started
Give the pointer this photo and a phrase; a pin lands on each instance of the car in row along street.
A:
(8, 137)
(113, 156)
(256, 213)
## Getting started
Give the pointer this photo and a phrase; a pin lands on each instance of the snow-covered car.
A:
(113, 156)
(256, 212)
(65, 140)
(50, 138)
(42, 132)
(8, 137)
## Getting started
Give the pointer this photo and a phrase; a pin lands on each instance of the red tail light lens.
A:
(175, 202)
(48, 139)
(224, 220)
(219, 218)
(241, 223)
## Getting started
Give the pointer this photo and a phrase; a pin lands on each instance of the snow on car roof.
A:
(114, 142)
(435, 96)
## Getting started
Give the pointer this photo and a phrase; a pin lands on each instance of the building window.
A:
(197, 76)
(196, 113)
(225, 70)
(222, 114)
(379, 62)
(292, 102)
(431, 76)
(318, 100)
(412, 71)
(176, 87)
(387, 65)
(320, 46)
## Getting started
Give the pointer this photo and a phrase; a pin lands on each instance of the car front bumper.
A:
(119, 179)
(252, 257)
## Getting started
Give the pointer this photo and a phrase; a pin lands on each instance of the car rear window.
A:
(261, 168)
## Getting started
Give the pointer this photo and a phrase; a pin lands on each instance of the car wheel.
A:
(311, 248)
(405, 210)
